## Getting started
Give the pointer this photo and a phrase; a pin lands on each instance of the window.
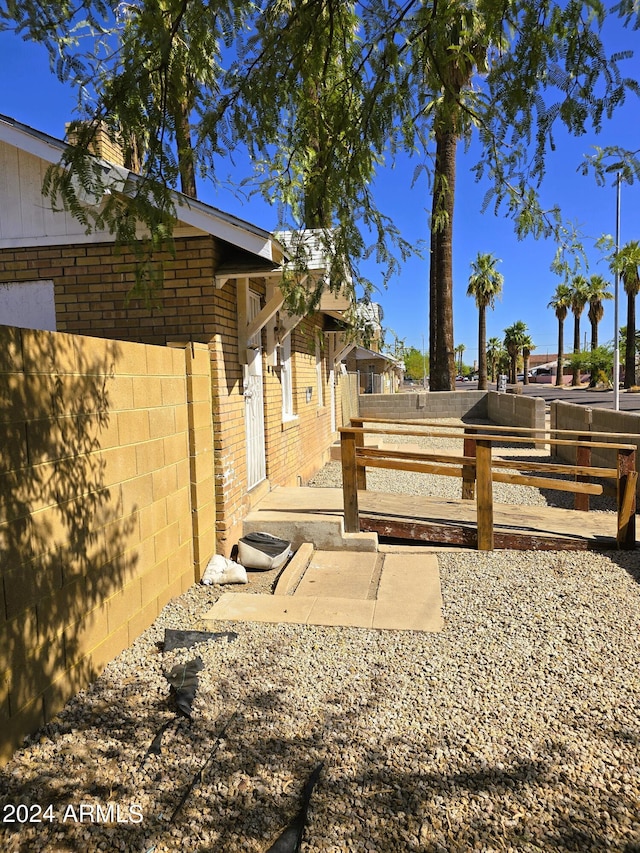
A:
(286, 379)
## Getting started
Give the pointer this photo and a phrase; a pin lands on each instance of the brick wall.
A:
(103, 462)
(91, 286)
(92, 283)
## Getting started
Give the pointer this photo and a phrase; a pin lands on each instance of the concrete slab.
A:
(341, 575)
(304, 514)
(245, 607)
(387, 592)
(409, 594)
(346, 612)
(294, 570)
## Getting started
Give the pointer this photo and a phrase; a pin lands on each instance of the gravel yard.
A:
(516, 728)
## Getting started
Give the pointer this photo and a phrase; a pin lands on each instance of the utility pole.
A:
(616, 290)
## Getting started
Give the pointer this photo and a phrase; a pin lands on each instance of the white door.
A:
(254, 404)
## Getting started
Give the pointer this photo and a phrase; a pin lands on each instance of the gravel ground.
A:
(516, 728)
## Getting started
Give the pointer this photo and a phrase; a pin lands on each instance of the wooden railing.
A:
(478, 469)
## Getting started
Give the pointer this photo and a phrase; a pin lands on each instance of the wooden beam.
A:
(484, 500)
(583, 459)
(457, 534)
(450, 470)
(349, 482)
(469, 471)
(548, 483)
(510, 439)
(555, 468)
(415, 455)
(627, 481)
(270, 309)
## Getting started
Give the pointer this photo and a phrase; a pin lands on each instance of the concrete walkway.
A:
(395, 591)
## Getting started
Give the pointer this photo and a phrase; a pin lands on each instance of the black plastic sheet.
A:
(174, 639)
(183, 679)
(291, 839)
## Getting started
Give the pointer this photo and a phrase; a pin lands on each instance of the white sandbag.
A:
(223, 570)
(263, 551)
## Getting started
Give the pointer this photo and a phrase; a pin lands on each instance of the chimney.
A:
(101, 145)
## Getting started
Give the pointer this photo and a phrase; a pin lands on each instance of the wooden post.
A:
(361, 473)
(583, 457)
(485, 495)
(349, 482)
(469, 471)
(627, 479)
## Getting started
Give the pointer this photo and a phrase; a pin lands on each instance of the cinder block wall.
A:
(96, 518)
(570, 417)
(621, 426)
(516, 410)
(435, 404)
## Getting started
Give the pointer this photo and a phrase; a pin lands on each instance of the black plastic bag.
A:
(183, 679)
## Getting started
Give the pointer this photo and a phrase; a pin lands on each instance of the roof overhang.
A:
(191, 212)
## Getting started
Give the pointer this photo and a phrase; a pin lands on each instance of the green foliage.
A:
(416, 364)
(485, 282)
(595, 361)
(321, 93)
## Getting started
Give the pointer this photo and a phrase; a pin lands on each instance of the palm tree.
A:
(485, 283)
(455, 47)
(560, 303)
(626, 263)
(495, 351)
(596, 294)
(459, 350)
(514, 338)
(579, 298)
(527, 346)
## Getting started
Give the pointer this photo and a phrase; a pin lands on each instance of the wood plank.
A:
(549, 483)
(586, 530)
(469, 471)
(627, 481)
(555, 468)
(457, 535)
(416, 467)
(496, 428)
(484, 499)
(583, 459)
(426, 455)
(349, 483)
(508, 439)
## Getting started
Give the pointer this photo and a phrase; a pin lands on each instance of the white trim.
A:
(319, 375)
(196, 214)
(286, 379)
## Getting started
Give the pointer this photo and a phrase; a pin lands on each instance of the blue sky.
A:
(30, 93)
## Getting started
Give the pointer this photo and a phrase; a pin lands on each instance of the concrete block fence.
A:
(503, 409)
(585, 420)
(106, 506)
